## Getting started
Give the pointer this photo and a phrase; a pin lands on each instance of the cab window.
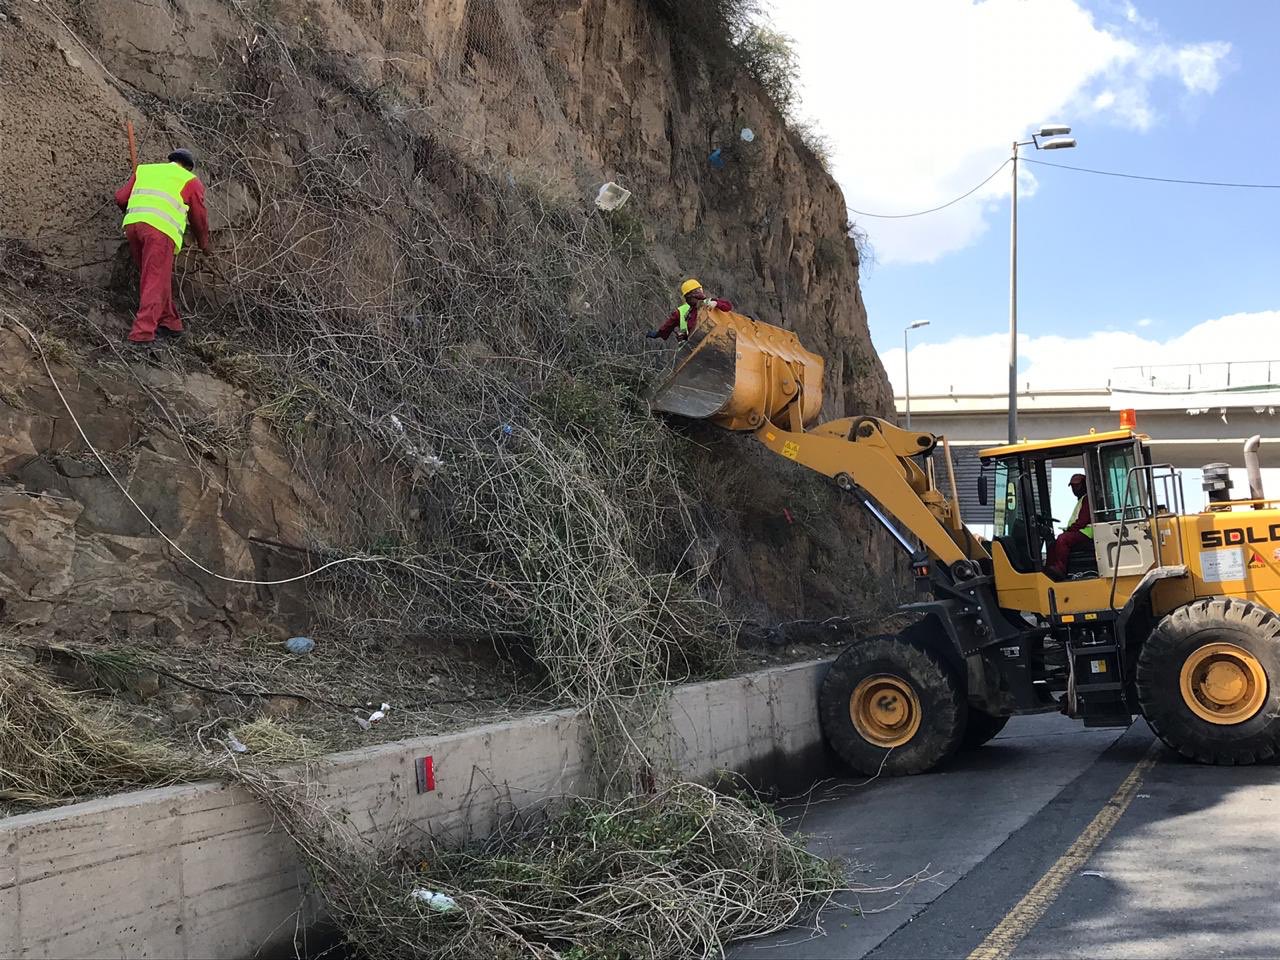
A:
(1112, 484)
(1021, 495)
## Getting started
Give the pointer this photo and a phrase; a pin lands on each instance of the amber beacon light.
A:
(1128, 420)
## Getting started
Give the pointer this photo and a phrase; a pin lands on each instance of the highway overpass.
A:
(1194, 413)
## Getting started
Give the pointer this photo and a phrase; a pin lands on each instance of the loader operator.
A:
(684, 318)
(157, 201)
(1079, 531)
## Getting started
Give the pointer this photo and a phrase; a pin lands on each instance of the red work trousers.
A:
(153, 253)
(1061, 549)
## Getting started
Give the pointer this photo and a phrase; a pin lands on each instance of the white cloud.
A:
(1138, 20)
(1145, 322)
(1200, 65)
(980, 364)
(922, 98)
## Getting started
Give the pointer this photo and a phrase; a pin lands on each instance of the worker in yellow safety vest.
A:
(1079, 530)
(158, 201)
(684, 318)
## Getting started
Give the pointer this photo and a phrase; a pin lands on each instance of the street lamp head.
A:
(1060, 143)
(1054, 130)
(918, 324)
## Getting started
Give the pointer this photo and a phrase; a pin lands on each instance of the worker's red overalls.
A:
(153, 253)
(1073, 536)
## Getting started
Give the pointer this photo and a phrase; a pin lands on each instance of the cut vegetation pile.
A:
(678, 874)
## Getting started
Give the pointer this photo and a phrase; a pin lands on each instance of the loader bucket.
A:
(738, 372)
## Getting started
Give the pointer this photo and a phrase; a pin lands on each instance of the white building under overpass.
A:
(1194, 413)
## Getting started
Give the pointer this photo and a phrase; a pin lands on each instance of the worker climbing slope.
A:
(157, 202)
(684, 318)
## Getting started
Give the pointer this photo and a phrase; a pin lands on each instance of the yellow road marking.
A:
(1009, 932)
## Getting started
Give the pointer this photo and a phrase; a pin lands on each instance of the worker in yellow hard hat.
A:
(684, 318)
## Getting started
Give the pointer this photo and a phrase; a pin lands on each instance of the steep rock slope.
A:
(399, 192)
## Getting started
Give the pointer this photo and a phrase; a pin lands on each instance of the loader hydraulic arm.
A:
(744, 375)
(875, 456)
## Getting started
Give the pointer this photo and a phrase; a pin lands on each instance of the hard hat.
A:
(689, 286)
(1077, 476)
(183, 156)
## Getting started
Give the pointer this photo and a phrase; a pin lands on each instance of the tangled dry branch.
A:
(452, 353)
(676, 874)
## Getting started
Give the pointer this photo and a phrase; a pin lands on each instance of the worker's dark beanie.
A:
(185, 157)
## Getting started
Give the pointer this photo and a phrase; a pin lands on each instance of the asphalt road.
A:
(1051, 841)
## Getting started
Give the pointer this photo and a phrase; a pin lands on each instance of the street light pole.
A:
(906, 363)
(1013, 299)
(1056, 139)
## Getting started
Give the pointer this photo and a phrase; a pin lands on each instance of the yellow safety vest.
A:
(157, 201)
(684, 309)
(1087, 531)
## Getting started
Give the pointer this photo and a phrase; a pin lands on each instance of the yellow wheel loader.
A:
(1169, 615)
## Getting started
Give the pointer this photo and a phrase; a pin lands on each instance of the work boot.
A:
(145, 351)
(166, 334)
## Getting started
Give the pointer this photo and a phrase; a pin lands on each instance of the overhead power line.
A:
(1067, 166)
(1135, 176)
(921, 213)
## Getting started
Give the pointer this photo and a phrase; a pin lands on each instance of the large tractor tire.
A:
(1209, 681)
(893, 706)
(980, 727)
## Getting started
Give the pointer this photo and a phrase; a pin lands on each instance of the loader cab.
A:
(1117, 491)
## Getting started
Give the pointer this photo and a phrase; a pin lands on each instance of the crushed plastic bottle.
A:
(373, 717)
(436, 901)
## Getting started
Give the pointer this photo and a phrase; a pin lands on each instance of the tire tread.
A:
(939, 689)
(1160, 662)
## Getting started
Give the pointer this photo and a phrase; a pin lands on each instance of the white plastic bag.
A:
(612, 196)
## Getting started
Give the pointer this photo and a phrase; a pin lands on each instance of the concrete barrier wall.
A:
(200, 870)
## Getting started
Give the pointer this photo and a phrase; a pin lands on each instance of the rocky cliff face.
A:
(404, 124)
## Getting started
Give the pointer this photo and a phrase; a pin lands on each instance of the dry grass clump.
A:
(54, 748)
(678, 874)
(272, 743)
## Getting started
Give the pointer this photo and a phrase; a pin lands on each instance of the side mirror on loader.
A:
(984, 491)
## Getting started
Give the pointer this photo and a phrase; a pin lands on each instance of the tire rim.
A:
(1223, 683)
(885, 710)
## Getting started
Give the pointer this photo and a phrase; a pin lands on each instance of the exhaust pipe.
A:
(1253, 468)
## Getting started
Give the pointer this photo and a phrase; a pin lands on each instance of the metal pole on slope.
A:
(133, 145)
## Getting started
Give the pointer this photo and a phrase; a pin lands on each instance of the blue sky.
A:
(1111, 271)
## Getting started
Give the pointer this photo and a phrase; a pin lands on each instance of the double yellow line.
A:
(1026, 913)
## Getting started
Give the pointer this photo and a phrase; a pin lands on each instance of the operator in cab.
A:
(1079, 531)
(684, 318)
